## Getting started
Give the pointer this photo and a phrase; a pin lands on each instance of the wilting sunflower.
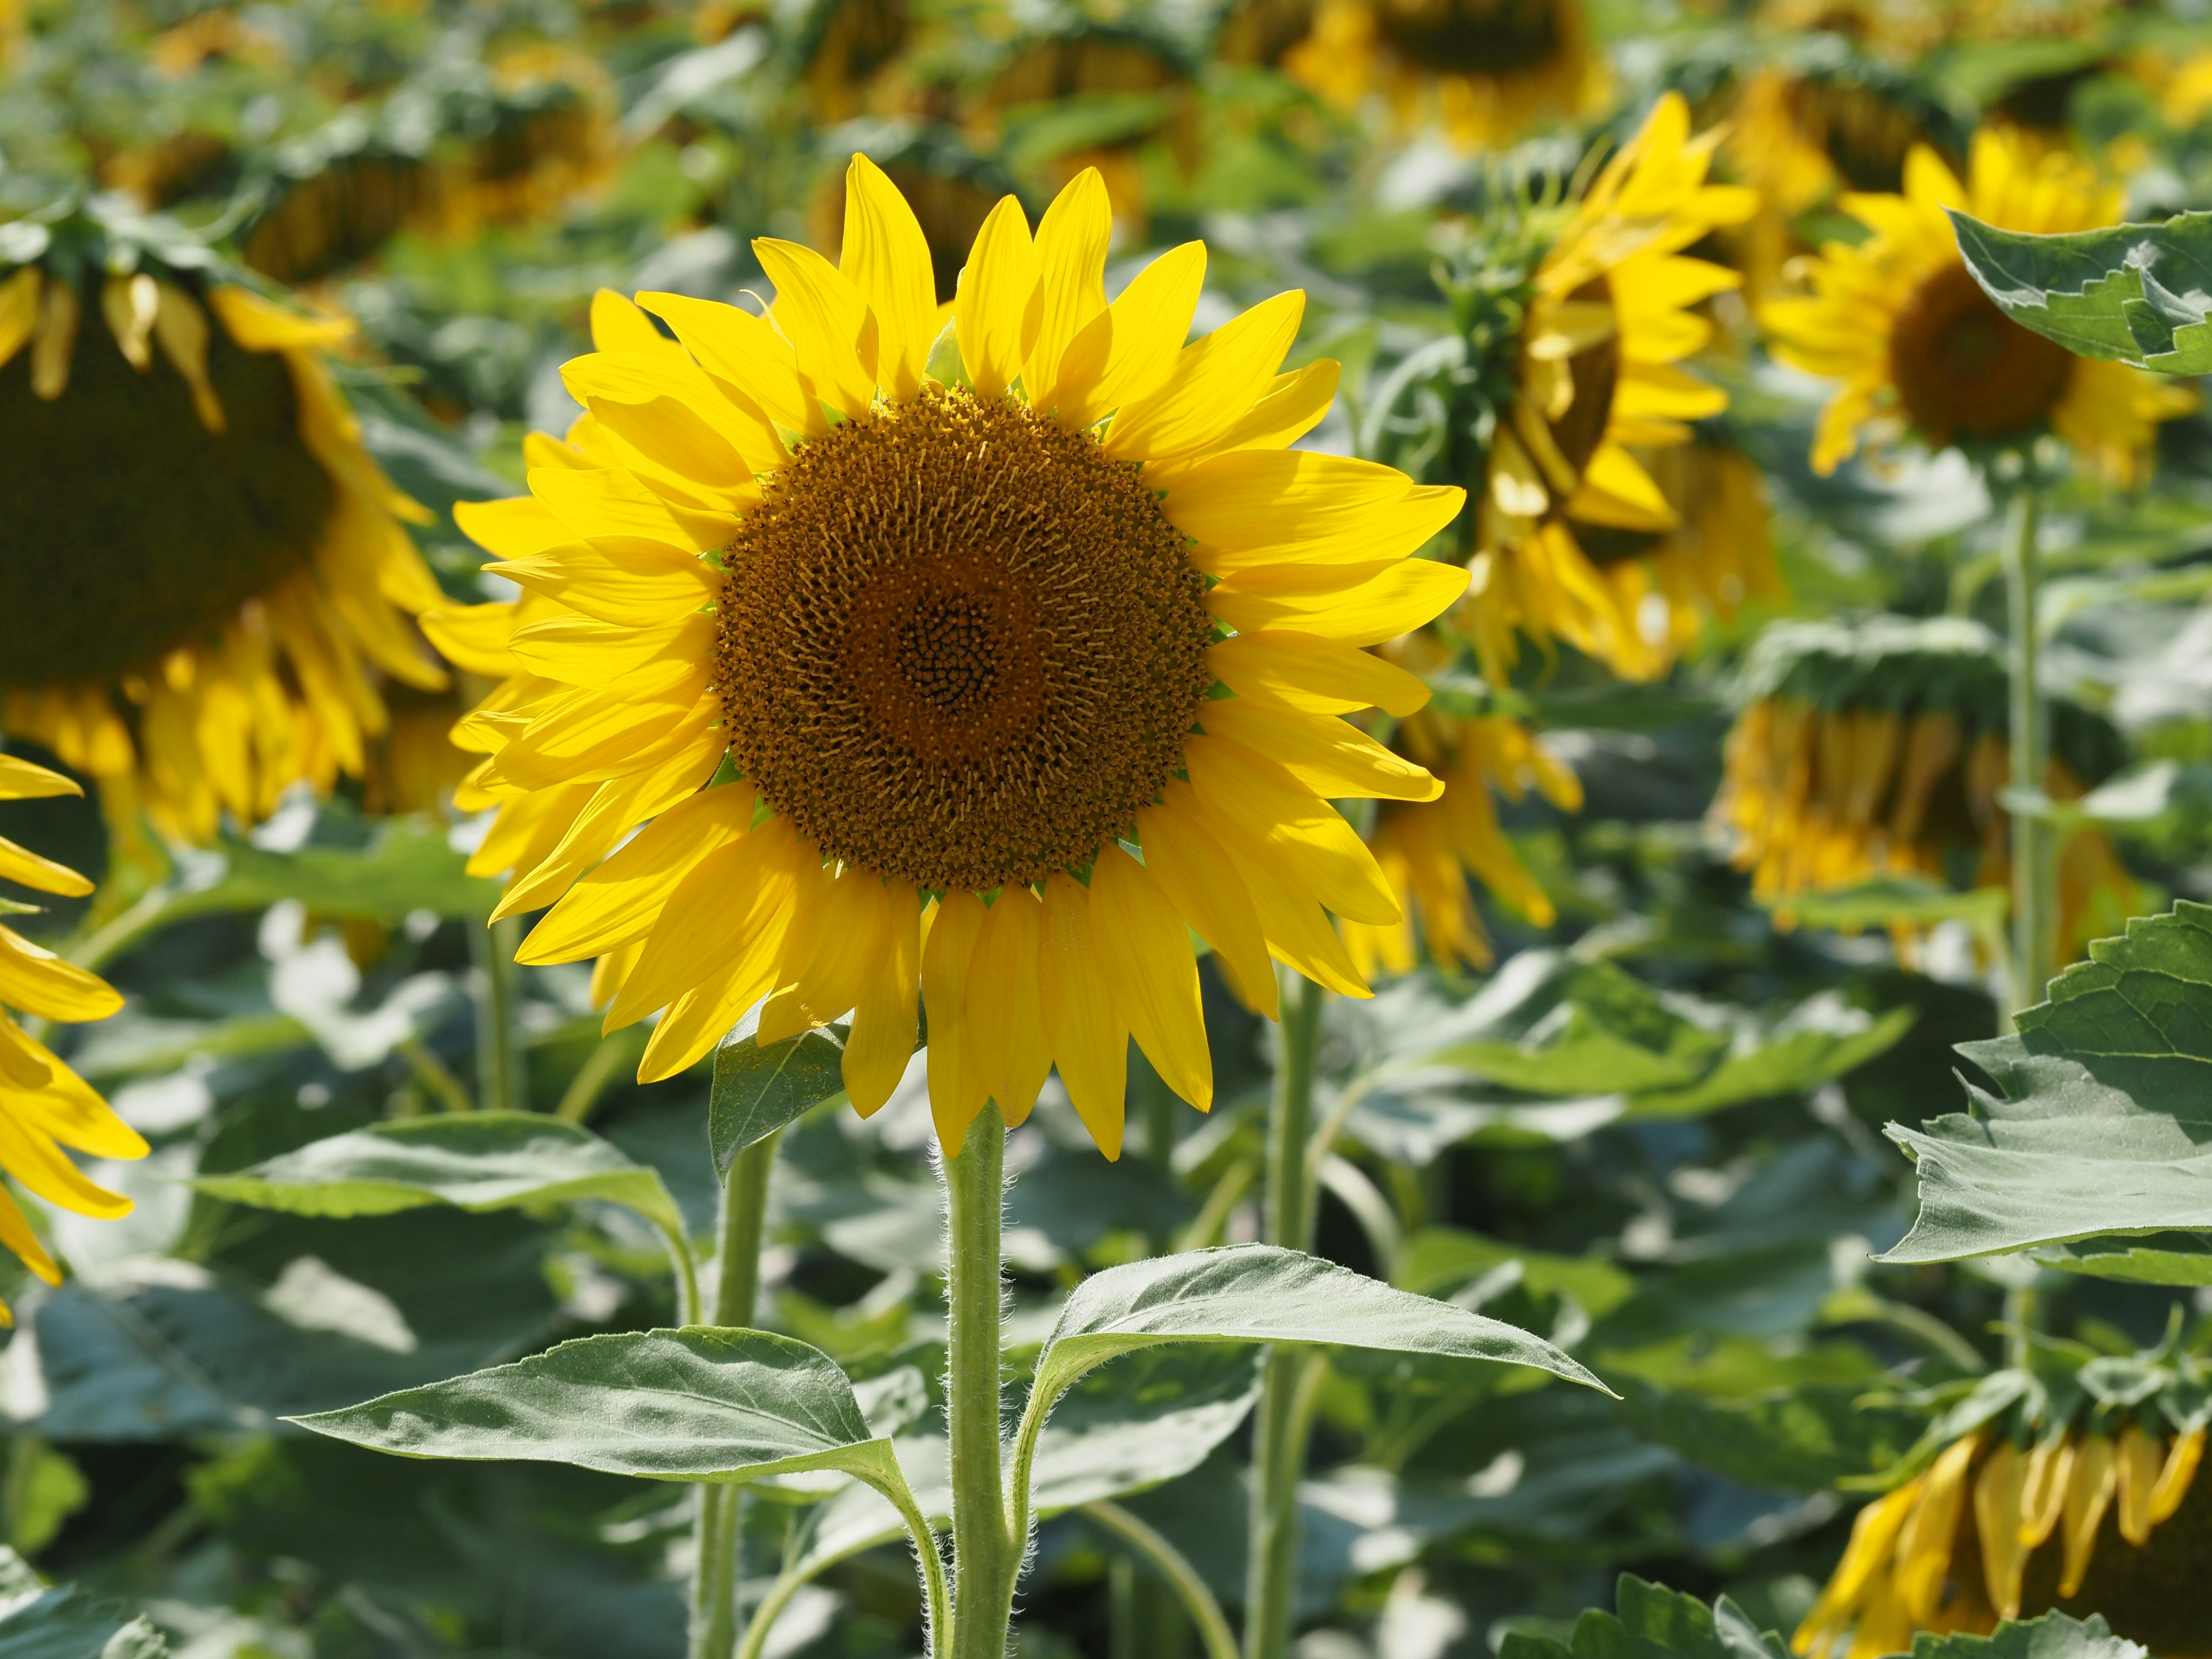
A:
(2041, 1494)
(1429, 850)
(1577, 367)
(957, 643)
(207, 572)
(1878, 749)
(1487, 70)
(44, 1105)
(1901, 321)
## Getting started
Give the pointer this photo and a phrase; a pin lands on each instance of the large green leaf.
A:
(2101, 1122)
(1818, 1040)
(1653, 1620)
(1260, 1293)
(1800, 1439)
(1553, 1025)
(476, 1161)
(2054, 1636)
(697, 1404)
(67, 1622)
(2131, 293)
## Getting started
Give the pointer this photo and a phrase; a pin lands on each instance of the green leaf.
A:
(1439, 1259)
(475, 1161)
(2099, 1121)
(1801, 1439)
(405, 866)
(2129, 294)
(696, 1404)
(1552, 1025)
(1653, 1620)
(2133, 1264)
(69, 1622)
(2054, 1636)
(1819, 1039)
(1260, 1293)
(1912, 900)
(759, 1090)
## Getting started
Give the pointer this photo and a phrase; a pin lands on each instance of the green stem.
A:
(2033, 871)
(744, 1223)
(1279, 1442)
(600, 1070)
(987, 1551)
(499, 1059)
(1174, 1567)
(435, 1075)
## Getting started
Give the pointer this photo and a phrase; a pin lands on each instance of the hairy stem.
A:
(2033, 868)
(987, 1554)
(499, 1057)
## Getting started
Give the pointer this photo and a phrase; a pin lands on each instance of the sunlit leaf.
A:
(2131, 293)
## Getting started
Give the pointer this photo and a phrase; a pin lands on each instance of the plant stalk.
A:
(986, 1555)
(499, 1057)
(2033, 867)
(1278, 1434)
(744, 1223)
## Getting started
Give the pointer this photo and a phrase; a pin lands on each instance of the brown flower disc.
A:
(1962, 366)
(959, 644)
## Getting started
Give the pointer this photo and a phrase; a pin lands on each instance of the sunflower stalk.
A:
(1279, 1429)
(499, 1057)
(2033, 868)
(737, 1291)
(987, 1549)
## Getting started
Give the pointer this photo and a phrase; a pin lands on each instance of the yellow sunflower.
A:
(1569, 513)
(208, 573)
(1486, 71)
(44, 1105)
(1900, 320)
(2087, 1520)
(1025, 675)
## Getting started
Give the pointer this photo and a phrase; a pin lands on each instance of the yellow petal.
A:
(1202, 882)
(1330, 861)
(619, 579)
(957, 1086)
(2043, 1495)
(17, 1234)
(45, 1170)
(1297, 930)
(744, 356)
(2175, 1479)
(1866, 1562)
(1290, 504)
(34, 979)
(2090, 1477)
(1321, 677)
(20, 863)
(1387, 604)
(827, 322)
(887, 258)
(1006, 1018)
(1924, 1548)
(1997, 1491)
(1070, 281)
(514, 528)
(619, 903)
(611, 502)
(19, 311)
(22, 779)
(1152, 973)
(1333, 758)
(882, 1041)
(473, 636)
(1215, 382)
(1090, 1042)
(992, 303)
(729, 914)
(619, 325)
(2138, 1462)
(1128, 352)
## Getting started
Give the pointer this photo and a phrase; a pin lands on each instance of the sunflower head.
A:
(1918, 347)
(207, 565)
(984, 688)
(1878, 748)
(2071, 1485)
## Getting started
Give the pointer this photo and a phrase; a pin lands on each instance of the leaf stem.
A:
(499, 1059)
(1278, 1442)
(600, 1068)
(2032, 864)
(435, 1074)
(987, 1551)
(1174, 1566)
(737, 1289)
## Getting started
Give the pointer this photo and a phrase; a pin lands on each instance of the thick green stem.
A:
(2034, 872)
(499, 1057)
(1278, 1433)
(987, 1552)
(745, 1220)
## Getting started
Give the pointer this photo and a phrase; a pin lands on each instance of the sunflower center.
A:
(132, 529)
(1594, 372)
(960, 646)
(1961, 365)
(1494, 38)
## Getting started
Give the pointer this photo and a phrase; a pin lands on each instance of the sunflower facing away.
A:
(1023, 675)
(1569, 515)
(44, 1105)
(2095, 1509)
(1900, 320)
(208, 573)
(1879, 749)
(1486, 71)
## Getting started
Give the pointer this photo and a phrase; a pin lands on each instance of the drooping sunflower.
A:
(2044, 1491)
(1430, 850)
(1486, 71)
(1051, 656)
(44, 1105)
(1900, 320)
(1577, 368)
(208, 573)
(1877, 748)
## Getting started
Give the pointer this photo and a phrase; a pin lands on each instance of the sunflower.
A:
(1023, 676)
(845, 46)
(1428, 849)
(44, 1105)
(1900, 320)
(208, 573)
(2049, 1493)
(1878, 749)
(1487, 70)
(1585, 360)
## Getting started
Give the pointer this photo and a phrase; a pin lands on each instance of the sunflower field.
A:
(1105, 829)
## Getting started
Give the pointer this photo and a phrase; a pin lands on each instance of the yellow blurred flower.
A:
(1900, 322)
